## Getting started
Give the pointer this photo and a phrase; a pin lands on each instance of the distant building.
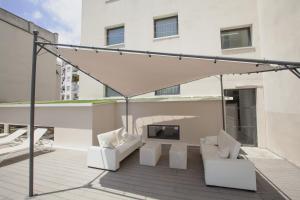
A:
(69, 82)
(16, 58)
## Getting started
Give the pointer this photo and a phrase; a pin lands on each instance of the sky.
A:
(59, 16)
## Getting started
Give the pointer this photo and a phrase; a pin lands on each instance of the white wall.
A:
(73, 123)
(196, 118)
(280, 35)
(77, 125)
(200, 23)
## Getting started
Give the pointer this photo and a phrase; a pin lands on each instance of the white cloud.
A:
(37, 15)
(67, 15)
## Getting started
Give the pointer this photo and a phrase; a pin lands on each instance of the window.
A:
(111, 93)
(115, 36)
(169, 91)
(166, 27)
(235, 38)
(68, 88)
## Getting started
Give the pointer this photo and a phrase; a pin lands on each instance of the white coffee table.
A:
(150, 153)
(178, 156)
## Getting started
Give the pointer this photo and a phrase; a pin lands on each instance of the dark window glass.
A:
(169, 91)
(111, 93)
(1, 128)
(241, 121)
(236, 38)
(115, 36)
(166, 27)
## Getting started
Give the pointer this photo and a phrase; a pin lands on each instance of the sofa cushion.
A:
(225, 140)
(223, 153)
(126, 148)
(109, 139)
(210, 152)
(212, 140)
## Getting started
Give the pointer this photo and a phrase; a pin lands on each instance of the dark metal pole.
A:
(32, 102)
(223, 103)
(126, 102)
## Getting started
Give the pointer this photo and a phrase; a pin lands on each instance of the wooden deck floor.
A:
(63, 174)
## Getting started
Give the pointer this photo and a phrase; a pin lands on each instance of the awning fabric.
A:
(132, 74)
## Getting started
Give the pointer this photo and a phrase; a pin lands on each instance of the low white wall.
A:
(104, 119)
(195, 118)
(77, 125)
(72, 122)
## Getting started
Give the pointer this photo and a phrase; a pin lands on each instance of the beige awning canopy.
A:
(132, 74)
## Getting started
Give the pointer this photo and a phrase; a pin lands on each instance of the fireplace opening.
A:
(164, 132)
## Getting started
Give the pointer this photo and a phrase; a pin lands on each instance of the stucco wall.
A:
(104, 119)
(73, 123)
(200, 23)
(280, 36)
(15, 65)
(195, 118)
(77, 125)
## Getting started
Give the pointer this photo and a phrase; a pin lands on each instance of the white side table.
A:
(178, 156)
(150, 153)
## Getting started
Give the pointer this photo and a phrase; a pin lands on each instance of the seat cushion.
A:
(210, 152)
(126, 148)
(226, 141)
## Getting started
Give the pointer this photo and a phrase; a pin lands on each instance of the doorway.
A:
(241, 115)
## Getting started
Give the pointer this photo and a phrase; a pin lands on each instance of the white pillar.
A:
(6, 128)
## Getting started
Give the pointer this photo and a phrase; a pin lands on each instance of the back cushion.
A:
(109, 139)
(226, 141)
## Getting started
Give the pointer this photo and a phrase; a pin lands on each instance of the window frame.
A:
(164, 18)
(248, 27)
(179, 91)
(114, 28)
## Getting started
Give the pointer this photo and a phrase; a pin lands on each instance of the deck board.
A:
(63, 174)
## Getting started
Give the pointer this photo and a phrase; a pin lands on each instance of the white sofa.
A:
(221, 166)
(113, 147)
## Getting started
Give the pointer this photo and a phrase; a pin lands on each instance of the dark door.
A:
(241, 115)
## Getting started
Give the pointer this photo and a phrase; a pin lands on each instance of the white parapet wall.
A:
(72, 122)
(76, 126)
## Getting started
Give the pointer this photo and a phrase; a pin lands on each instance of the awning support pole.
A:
(223, 103)
(126, 102)
(32, 104)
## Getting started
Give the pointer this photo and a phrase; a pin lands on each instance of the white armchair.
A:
(226, 171)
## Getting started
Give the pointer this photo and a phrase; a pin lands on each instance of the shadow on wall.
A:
(139, 123)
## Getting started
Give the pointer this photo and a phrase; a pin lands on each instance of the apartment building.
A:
(16, 57)
(235, 28)
(69, 82)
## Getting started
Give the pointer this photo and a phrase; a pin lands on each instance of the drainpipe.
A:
(223, 102)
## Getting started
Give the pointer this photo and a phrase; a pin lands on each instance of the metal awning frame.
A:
(293, 67)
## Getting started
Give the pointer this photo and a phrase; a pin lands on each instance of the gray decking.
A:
(62, 174)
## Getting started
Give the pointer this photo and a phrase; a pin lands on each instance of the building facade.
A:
(69, 82)
(16, 58)
(257, 112)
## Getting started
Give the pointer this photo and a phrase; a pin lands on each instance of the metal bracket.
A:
(41, 47)
(294, 71)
